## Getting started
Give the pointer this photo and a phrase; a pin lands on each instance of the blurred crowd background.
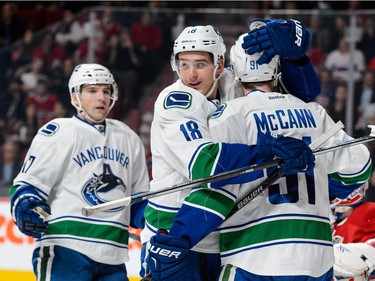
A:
(41, 42)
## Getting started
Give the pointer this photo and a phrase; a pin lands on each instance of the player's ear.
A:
(74, 99)
(220, 69)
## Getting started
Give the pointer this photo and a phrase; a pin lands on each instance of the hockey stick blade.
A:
(126, 201)
(89, 210)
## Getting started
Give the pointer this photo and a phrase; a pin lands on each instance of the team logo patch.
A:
(219, 111)
(103, 188)
(49, 129)
(177, 100)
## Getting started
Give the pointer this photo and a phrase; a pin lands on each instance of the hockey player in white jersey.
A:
(84, 160)
(182, 148)
(284, 234)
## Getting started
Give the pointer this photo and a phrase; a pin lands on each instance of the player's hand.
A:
(354, 259)
(26, 216)
(287, 38)
(296, 154)
(167, 257)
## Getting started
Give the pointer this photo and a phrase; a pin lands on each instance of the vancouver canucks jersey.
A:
(288, 225)
(182, 150)
(72, 164)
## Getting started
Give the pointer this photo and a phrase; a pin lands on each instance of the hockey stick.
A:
(126, 201)
(275, 175)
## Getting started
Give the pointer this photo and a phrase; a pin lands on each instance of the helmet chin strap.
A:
(215, 79)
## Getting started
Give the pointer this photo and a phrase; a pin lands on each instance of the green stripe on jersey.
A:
(353, 180)
(12, 190)
(204, 162)
(275, 230)
(211, 199)
(89, 230)
(158, 218)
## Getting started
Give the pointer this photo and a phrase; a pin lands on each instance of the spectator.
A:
(109, 24)
(367, 43)
(364, 100)
(12, 26)
(70, 32)
(341, 59)
(100, 51)
(43, 99)
(124, 59)
(60, 78)
(11, 101)
(320, 33)
(29, 125)
(10, 165)
(49, 51)
(60, 110)
(316, 54)
(29, 75)
(11, 109)
(327, 86)
(364, 92)
(21, 55)
(148, 36)
(337, 109)
(337, 31)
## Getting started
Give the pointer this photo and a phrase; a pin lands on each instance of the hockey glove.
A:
(167, 257)
(27, 218)
(354, 259)
(296, 154)
(287, 38)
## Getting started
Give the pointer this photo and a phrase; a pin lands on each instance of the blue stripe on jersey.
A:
(327, 244)
(163, 206)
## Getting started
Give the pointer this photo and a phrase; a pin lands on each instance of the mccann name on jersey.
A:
(284, 119)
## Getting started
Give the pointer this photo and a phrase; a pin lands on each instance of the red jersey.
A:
(358, 227)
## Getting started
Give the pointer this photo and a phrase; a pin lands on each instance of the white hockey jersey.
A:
(72, 164)
(288, 225)
(179, 131)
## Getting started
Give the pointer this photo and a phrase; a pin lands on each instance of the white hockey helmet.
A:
(91, 73)
(246, 68)
(203, 38)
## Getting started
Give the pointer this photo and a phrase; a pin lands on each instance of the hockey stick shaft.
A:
(89, 210)
(126, 201)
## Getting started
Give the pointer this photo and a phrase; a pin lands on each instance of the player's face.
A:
(196, 70)
(95, 100)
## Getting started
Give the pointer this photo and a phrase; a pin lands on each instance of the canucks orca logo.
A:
(104, 188)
